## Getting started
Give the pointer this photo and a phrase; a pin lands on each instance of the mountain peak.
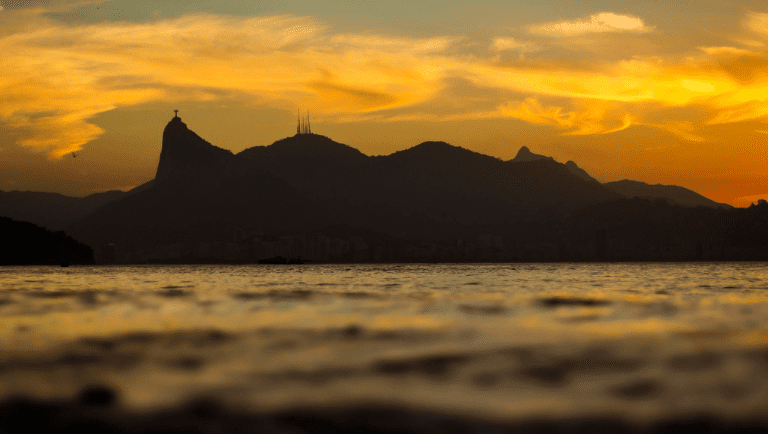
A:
(185, 156)
(176, 121)
(305, 146)
(437, 152)
(578, 171)
(435, 144)
(525, 155)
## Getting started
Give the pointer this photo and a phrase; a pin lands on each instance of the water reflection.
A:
(494, 342)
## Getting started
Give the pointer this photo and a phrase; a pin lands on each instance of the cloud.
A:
(604, 22)
(594, 119)
(533, 112)
(757, 23)
(683, 129)
(507, 43)
(71, 73)
(388, 43)
(77, 72)
(731, 111)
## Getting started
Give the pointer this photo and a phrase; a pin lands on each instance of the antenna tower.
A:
(302, 123)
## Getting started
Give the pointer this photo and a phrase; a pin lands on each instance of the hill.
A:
(430, 190)
(578, 171)
(308, 181)
(310, 194)
(28, 244)
(525, 155)
(52, 210)
(201, 192)
(675, 194)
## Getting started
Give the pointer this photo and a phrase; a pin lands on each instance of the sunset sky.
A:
(661, 91)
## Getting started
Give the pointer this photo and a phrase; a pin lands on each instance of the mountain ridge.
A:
(402, 193)
(525, 155)
(309, 180)
(676, 194)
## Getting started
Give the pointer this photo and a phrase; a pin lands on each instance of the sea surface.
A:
(388, 348)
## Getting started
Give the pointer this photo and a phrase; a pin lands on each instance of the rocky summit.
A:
(525, 155)
(187, 157)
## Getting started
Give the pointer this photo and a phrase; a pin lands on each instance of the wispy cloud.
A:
(757, 22)
(76, 72)
(533, 112)
(682, 129)
(509, 43)
(604, 22)
(593, 119)
(56, 77)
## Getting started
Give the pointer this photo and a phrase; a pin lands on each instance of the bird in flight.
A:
(74, 155)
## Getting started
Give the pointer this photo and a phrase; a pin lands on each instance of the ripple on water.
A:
(52, 294)
(651, 341)
(638, 389)
(300, 294)
(475, 309)
(438, 365)
(98, 396)
(558, 301)
(359, 294)
(187, 363)
(695, 361)
(174, 292)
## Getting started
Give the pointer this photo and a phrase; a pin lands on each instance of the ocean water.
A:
(482, 346)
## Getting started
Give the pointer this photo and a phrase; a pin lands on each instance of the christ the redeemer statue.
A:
(176, 112)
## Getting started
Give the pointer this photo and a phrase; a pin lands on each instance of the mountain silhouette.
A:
(578, 171)
(673, 193)
(414, 177)
(187, 158)
(309, 183)
(312, 164)
(631, 189)
(525, 155)
(433, 189)
(52, 210)
(201, 192)
(430, 189)
(26, 244)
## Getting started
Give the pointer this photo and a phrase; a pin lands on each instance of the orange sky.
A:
(662, 92)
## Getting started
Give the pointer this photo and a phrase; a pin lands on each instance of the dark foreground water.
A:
(385, 348)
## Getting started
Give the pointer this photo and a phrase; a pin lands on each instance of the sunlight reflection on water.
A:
(496, 340)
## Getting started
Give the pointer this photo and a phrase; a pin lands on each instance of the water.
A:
(490, 343)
